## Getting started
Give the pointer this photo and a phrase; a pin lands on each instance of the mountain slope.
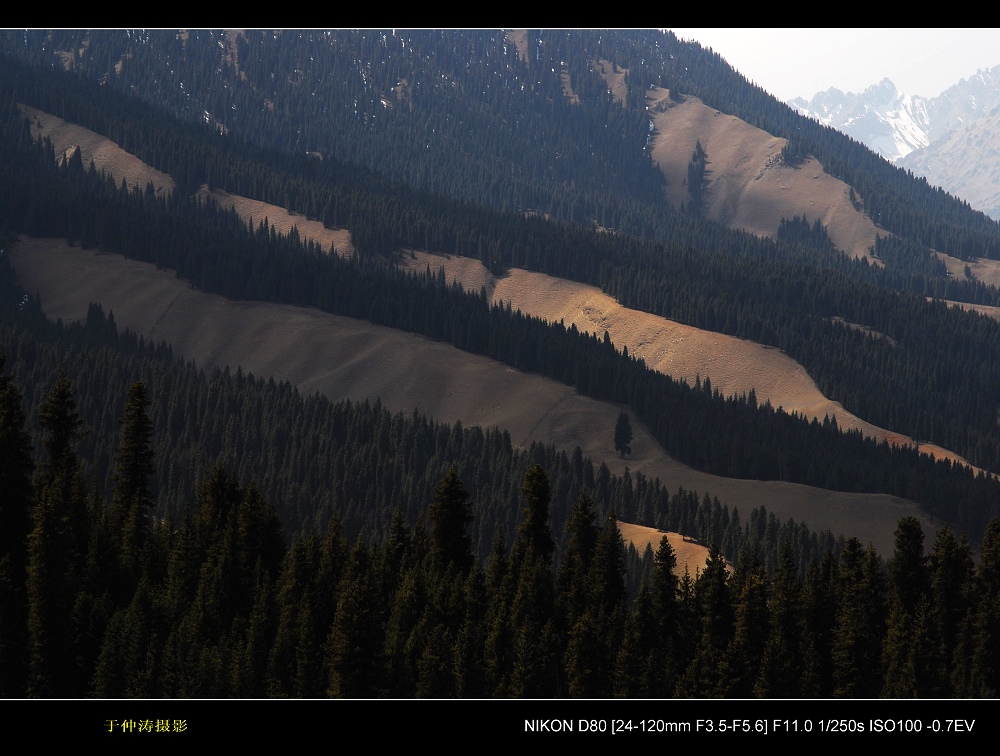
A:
(794, 295)
(747, 182)
(280, 345)
(965, 161)
(400, 102)
(346, 358)
(734, 366)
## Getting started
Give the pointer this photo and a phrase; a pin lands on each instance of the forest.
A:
(175, 534)
(101, 599)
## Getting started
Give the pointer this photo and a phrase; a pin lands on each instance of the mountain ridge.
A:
(946, 138)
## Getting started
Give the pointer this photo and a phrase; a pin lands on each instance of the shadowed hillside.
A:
(345, 358)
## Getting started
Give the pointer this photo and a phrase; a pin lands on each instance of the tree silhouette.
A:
(450, 516)
(16, 467)
(623, 435)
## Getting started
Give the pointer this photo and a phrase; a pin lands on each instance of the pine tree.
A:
(606, 578)
(781, 665)
(623, 434)
(534, 538)
(978, 671)
(470, 644)
(861, 622)
(134, 459)
(535, 641)
(951, 578)
(713, 593)
(56, 548)
(696, 176)
(908, 577)
(435, 667)
(750, 633)
(355, 645)
(665, 589)
(588, 668)
(581, 533)
(450, 517)
(61, 422)
(913, 662)
(130, 507)
(16, 467)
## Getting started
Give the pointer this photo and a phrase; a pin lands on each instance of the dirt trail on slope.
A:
(346, 358)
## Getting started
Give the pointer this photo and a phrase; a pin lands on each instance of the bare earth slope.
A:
(735, 366)
(282, 221)
(987, 271)
(105, 154)
(109, 157)
(346, 358)
(690, 554)
(749, 186)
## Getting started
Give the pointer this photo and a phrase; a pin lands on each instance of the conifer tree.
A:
(703, 676)
(450, 516)
(907, 569)
(606, 577)
(751, 620)
(55, 548)
(781, 665)
(470, 644)
(623, 434)
(130, 507)
(978, 671)
(435, 667)
(588, 668)
(16, 467)
(581, 540)
(61, 422)
(860, 627)
(134, 460)
(355, 645)
(665, 589)
(534, 538)
(951, 573)
(912, 656)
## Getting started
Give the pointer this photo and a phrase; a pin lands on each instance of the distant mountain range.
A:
(950, 139)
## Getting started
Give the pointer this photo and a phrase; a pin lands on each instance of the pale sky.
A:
(801, 62)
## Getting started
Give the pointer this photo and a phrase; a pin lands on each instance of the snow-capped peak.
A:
(888, 121)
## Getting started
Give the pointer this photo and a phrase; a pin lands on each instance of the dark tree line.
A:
(216, 603)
